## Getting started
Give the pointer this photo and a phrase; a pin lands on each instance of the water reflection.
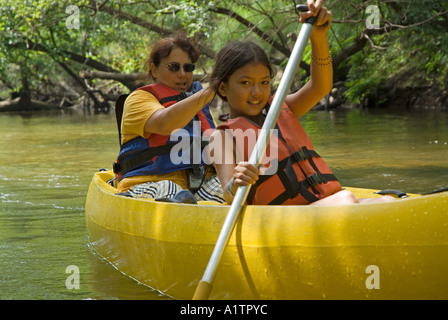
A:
(406, 151)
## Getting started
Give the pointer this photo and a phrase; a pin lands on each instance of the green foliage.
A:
(35, 38)
(192, 14)
(414, 54)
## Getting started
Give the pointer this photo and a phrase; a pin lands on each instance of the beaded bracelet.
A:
(322, 62)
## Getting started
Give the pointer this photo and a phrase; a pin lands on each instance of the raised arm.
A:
(165, 121)
(321, 81)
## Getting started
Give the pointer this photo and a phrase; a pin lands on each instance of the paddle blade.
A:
(203, 290)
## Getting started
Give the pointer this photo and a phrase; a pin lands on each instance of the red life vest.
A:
(302, 176)
(141, 157)
(167, 97)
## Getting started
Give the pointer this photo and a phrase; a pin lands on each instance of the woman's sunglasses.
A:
(175, 66)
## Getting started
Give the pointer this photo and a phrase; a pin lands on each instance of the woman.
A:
(147, 163)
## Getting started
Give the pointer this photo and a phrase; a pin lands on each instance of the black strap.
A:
(142, 158)
(288, 177)
(304, 154)
(177, 97)
(310, 159)
(253, 189)
(119, 105)
(309, 182)
(436, 191)
(138, 160)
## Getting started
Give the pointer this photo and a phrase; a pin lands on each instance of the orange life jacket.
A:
(302, 176)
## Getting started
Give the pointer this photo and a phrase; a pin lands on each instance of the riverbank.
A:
(21, 104)
(391, 98)
(423, 98)
(409, 98)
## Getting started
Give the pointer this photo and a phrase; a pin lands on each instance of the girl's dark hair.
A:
(162, 49)
(234, 56)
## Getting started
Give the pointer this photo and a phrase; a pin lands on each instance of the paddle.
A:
(205, 286)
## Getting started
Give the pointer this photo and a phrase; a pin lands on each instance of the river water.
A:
(48, 160)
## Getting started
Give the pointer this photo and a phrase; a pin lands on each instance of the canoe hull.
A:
(363, 251)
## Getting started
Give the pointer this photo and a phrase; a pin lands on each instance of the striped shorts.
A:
(210, 190)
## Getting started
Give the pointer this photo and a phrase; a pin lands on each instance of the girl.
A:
(151, 113)
(241, 77)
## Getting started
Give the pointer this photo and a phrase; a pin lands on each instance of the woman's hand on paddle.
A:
(245, 173)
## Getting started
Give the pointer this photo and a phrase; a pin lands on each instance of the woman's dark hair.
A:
(162, 49)
(234, 56)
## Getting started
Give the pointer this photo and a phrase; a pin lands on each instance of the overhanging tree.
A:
(114, 37)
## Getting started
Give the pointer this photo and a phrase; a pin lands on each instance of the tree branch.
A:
(138, 78)
(131, 80)
(397, 26)
(366, 34)
(101, 67)
(147, 25)
(96, 103)
(30, 45)
(252, 27)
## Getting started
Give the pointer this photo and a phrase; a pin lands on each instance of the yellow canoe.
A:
(395, 250)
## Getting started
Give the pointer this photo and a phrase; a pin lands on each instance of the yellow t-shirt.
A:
(138, 108)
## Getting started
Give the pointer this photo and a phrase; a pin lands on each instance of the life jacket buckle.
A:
(313, 180)
(195, 178)
(300, 155)
(184, 95)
